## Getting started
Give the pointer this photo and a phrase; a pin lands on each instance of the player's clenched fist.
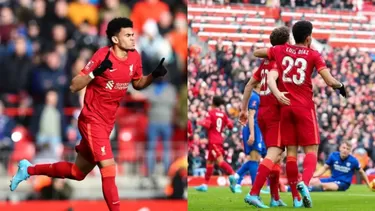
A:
(160, 70)
(243, 117)
(342, 90)
(106, 64)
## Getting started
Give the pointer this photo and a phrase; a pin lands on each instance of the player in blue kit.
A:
(342, 165)
(254, 146)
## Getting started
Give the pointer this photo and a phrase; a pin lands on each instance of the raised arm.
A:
(140, 82)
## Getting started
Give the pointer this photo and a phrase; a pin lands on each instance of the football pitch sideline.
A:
(357, 198)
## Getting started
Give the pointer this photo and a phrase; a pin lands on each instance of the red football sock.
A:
(109, 188)
(274, 182)
(292, 175)
(309, 166)
(226, 167)
(57, 170)
(209, 171)
(264, 171)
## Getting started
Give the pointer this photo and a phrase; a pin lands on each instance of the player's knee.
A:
(311, 149)
(77, 173)
(108, 171)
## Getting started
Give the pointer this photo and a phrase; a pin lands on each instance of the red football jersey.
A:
(104, 92)
(296, 65)
(215, 123)
(266, 96)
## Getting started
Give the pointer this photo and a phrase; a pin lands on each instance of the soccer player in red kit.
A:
(107, 76)
(215, 123)
(298, 124)
(268, 120)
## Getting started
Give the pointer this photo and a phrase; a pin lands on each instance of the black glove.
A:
(160, 70)
(342, 90)
(106, 64)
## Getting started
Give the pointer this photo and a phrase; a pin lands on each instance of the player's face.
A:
(126, 40)
(344, 150)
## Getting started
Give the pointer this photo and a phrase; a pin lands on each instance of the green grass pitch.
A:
(357, 198)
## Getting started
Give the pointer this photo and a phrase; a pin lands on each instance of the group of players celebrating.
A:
(278, 111)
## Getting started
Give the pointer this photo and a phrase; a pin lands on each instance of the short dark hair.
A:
(279, 36)
(115, 25)
(301, 30)
(217, 101)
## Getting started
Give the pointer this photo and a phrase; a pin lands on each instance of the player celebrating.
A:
(215, 123)
(269, 119)
(342, 165)
(252, 141)
(107, 76)
(298, 124)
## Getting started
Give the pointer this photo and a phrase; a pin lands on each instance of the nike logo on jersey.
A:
(112, 70)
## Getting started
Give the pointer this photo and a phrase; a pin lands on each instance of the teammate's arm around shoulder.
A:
(261, 53)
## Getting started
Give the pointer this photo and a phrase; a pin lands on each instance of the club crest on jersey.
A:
(103, 150)
(348, 164)
(131, 70)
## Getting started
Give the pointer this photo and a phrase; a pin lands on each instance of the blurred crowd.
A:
(225, 72)
(44, 44)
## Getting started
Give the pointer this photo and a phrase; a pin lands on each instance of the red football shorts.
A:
(215, 151)
(95, 145)
(269, 124)
(298, 126)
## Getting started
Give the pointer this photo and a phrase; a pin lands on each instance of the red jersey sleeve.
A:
(257, 73)
(319, 62)
(273, 66)
(138, 69)
(205, 122)
(271, 53)
(94, 62)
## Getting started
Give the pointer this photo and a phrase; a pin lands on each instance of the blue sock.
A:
(253, 168)
(317, 188)
(242, 171)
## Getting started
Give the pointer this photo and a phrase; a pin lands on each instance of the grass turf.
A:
(358, 198)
